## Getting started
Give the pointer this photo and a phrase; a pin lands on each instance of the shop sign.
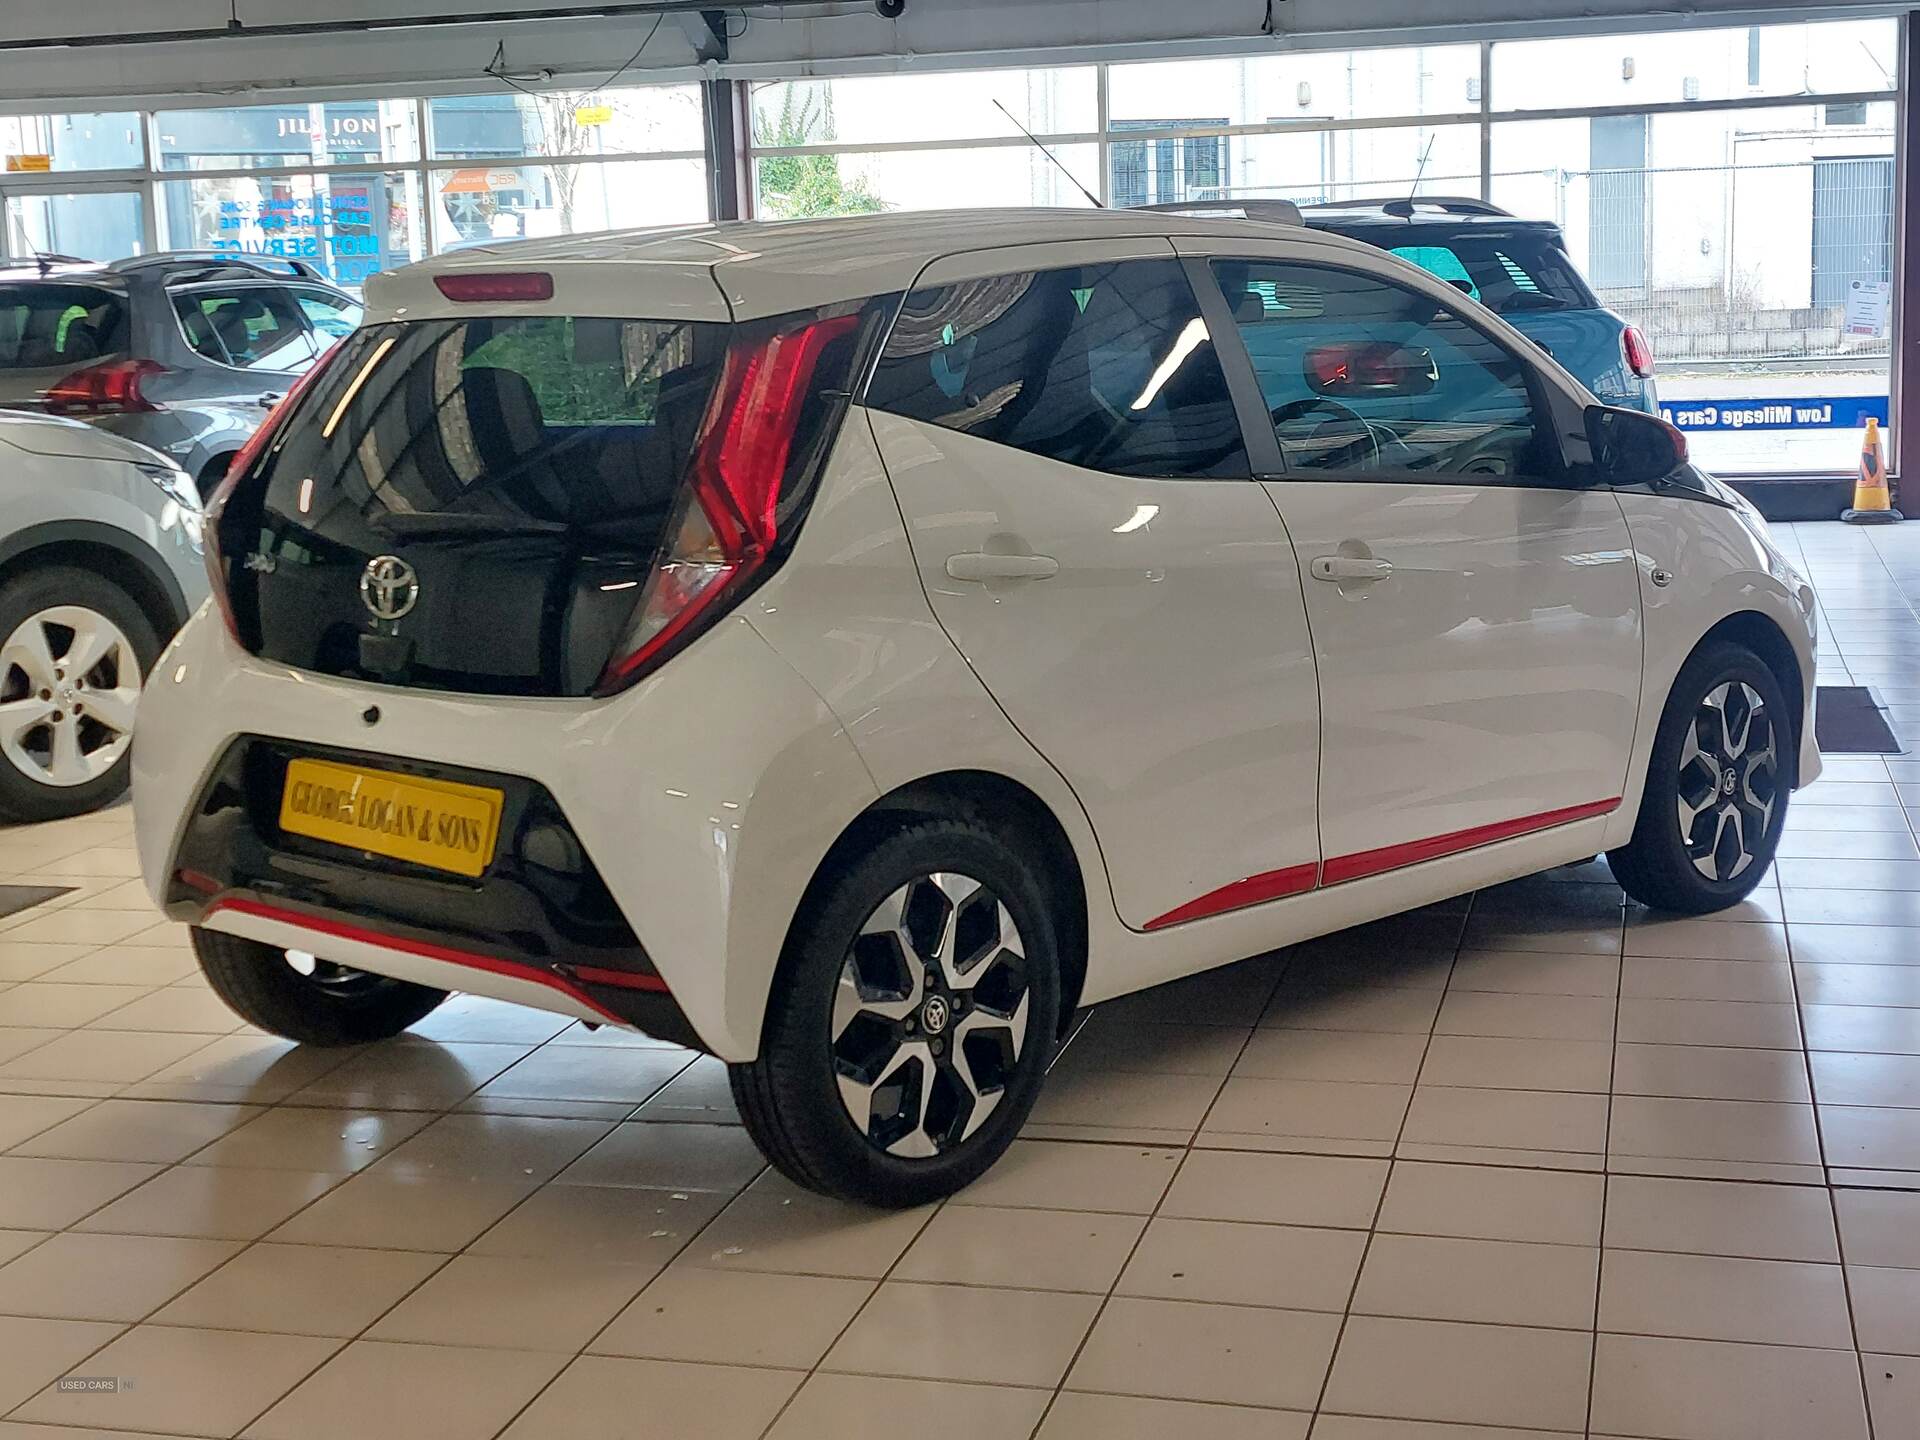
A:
(23, 164)
(1786, 412)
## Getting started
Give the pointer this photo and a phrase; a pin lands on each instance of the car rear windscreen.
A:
(522, 470)
(48, 324)
(1509, 274)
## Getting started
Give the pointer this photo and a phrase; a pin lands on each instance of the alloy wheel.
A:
(69, 684)
(930, 1015)
(1729, 780)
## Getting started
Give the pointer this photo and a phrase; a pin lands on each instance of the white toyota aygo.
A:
(849, 647)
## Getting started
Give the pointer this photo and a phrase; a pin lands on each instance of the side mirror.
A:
(1631, 447)
(1376, 370)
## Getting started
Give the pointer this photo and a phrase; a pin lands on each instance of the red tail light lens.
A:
(244, 460)
(496, 287)
(109, 389)
(1638, 352)
(728, 522)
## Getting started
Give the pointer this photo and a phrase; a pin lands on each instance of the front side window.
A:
(251, 327)
(1359, 374)
(1107, 367)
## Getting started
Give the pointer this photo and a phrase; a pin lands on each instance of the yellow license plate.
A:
(429, 822)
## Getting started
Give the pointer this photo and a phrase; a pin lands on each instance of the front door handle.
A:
(1339, 568)
(983, 565)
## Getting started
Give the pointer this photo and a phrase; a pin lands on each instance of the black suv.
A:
(184, 351)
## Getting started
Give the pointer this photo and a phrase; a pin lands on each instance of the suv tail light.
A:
(727, 525)
(112, 388)
(1639, 354)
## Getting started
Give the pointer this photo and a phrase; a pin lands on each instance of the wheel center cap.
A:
(934, 1015)
(1729, 782)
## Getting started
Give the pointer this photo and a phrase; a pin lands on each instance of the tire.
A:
(1708, 761)
(330, 1007)
(58, 756)
(943, 1057)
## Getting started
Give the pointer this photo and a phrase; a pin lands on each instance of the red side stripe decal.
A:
(341, 931)
(1254, 890)
(1298, 879)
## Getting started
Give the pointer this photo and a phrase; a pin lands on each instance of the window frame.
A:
(1234, 356)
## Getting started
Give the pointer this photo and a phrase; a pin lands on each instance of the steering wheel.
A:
(1349, 422)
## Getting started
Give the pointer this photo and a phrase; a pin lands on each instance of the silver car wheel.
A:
(1729, 780)
(69, 684)
(930, 1015)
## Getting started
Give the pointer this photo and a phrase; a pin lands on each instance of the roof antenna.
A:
(1092, 199)
(1404, 208)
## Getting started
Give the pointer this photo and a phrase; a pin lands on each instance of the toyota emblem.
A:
(389, 587)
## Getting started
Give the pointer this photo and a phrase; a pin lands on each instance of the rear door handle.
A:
(267, 401)
(980, 565)
(1338, 568)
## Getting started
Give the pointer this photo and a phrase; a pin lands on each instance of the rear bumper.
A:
(704, 798)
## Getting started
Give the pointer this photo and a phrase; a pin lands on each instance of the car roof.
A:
(747, 269)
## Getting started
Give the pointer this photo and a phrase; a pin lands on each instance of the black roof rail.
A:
(1404, 206)
(279, 266)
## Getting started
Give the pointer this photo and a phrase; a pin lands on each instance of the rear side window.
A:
(43, 326)
(1107, 367)
(250, 327)
(333, 317)
(1509, 274)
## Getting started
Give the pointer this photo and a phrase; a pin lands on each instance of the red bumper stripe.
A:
(340, 930)
(1298, 879)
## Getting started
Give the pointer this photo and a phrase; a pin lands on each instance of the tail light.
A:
(112, 388)
(1639, 354)
(495, 286)
(725, 531)
(243, 461)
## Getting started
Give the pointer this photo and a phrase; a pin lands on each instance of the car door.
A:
(1076, 488)
(1475, 614)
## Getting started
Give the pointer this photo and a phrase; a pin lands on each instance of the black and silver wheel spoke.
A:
(930, 1015)
(1728, 782)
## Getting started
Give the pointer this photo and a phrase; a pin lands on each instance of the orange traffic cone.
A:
(1871, 503)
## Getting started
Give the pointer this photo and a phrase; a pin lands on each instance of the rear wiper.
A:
(416, 526)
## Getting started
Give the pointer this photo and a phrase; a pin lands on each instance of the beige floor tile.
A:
(1871, 1137)
(117, 1057)
(1526, 1017)
(476, 1018)
(1870, 1029)
(1545, 934)
(1706, 940)
(63, 1007)
(1229, 1262)
(736, 1318)
(669, 1157)
(1711, 1390)
(1122, 1099)
(1395, 1010)
(612, 1225)
(1339, 1055)
(1473, 1374)
(35, 1353)
(82, 927)
(190, 1382)
(947, 1332)
(18, 1242)
(1840, 1078)
(1236, 1354)
(1714, 1130)
(143, 965)
(401, 1212)
(316, 1140)
(1893, 1395)
(212, 1202)
(774, 1225)
(186, 1010)
(396, 1392)
(1700, 1072)
(869, 1407)
(149, 1130)
(1340, 962)
(1520, 973)
(564, 1072)
(1711, 1217)
(22, 1040)
(655, 1400)
(1105, 1044)
(1019, 1248)
(24, 1116)
(1060, 1175)
(1078, 1415)
(1359, 1427)
(1498, 1282)
(300, 1290)
(411, 1076)
(106, 1277)
(1755, 1024)
(1507, 1119)
(1308, 1109)
(1277, 1189)
(699, 1095)
(1492, 1203)
(1717, 1297)
(53, 1194)
(513, 1304)
(1499, 1063)
(492, 1147)
(1879, 1227)
(25, 960)
(1896, 985)
(257, 1068)
(1886, 1309)
(1645, 977)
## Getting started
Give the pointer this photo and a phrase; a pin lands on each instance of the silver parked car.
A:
(185, 351)
(100, 562)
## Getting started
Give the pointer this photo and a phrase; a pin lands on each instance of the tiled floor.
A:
(1530, 1163)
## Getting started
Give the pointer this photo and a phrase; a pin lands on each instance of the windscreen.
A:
(49, 325)
(517, 473)
(1509, 274)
